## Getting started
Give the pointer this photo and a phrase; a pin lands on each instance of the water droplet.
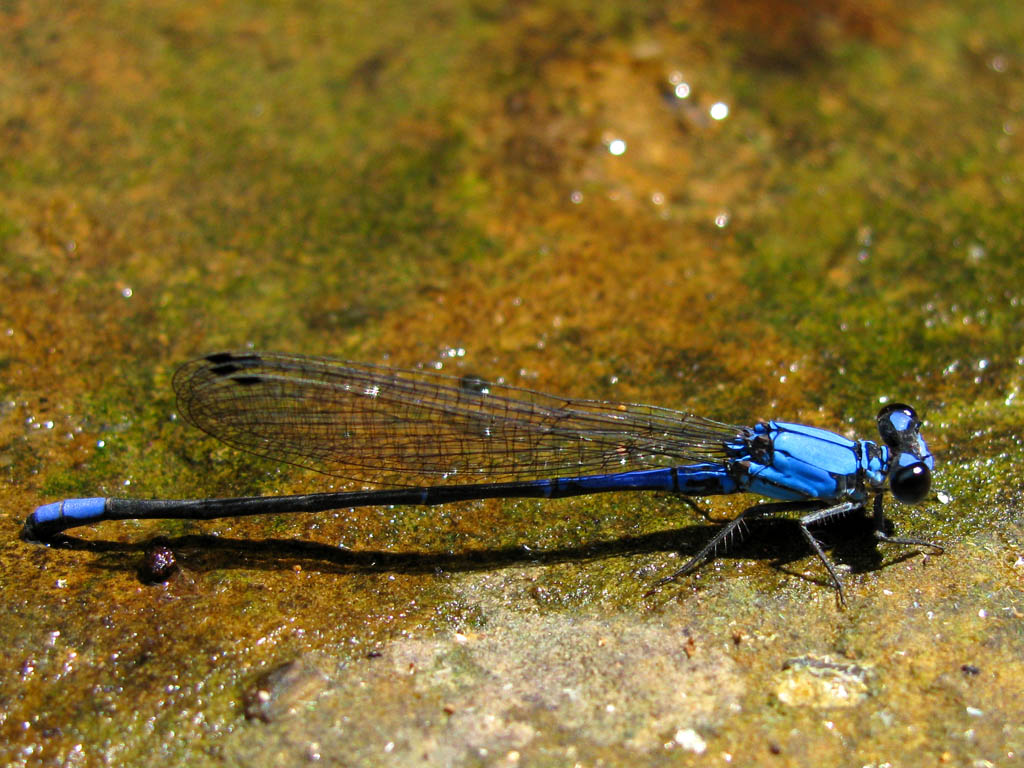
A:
(475, 384)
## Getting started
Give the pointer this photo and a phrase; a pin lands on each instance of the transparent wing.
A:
(396, 427)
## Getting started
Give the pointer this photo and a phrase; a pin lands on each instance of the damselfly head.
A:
(910, 469)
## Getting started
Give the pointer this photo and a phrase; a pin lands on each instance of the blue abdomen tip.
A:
(50, 519)
(84, 510)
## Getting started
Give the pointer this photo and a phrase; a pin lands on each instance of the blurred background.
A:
(773, 209)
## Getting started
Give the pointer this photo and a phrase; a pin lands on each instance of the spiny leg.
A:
(881, 535)
(759, 510)
(829, 513)
(813, 543)
(711, 548)
(815, 517)
(821, 515)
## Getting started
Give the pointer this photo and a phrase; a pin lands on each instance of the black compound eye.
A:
(897, 423)
(910, 484)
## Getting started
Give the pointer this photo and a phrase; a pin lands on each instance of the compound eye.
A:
(897, 423)
(910, 484)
